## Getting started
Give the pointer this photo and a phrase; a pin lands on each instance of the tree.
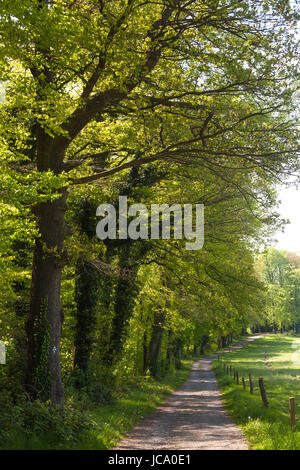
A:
(278, 269)
(84, 77)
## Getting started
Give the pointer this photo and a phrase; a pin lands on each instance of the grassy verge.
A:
(109, 423)
(265, 428)
(140, 400)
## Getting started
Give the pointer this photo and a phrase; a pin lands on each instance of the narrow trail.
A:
(192, 418)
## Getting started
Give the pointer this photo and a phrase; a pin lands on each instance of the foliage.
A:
(169, 102)
(280, 271)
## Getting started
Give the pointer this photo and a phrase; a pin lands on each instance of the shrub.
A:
(36, 420)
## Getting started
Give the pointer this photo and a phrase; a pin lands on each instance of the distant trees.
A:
(280, 270)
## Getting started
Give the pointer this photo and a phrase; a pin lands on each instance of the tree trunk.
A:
(154, 350)
(45, 318)
(86, 297)
(126, 293)
(204, 342)
(151, 359)
(145, 354)
(169, 352)
(178, 353)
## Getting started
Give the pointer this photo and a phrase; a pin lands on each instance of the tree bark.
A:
(151, 359)
(145, 354)
(45, 318)
(203, 343)
(86, 297)
(126, 293)
(178, 353)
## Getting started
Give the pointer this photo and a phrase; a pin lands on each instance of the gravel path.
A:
(192, 418)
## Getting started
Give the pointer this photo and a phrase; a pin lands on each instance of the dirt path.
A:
(192, 418)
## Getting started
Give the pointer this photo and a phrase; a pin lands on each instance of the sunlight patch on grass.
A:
(114, 421)
(276, 359)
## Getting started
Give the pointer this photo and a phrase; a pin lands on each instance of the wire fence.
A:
(247, 383)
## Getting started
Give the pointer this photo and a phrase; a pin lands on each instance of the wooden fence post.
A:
(250, 384)
(244, 384)
(227, 370)
(230, 370)
(263, 392)
(292, 413)
(237, 377)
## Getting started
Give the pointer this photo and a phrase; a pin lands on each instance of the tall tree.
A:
(79, 71)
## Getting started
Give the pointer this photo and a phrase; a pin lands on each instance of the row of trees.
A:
(174, 101)
(280, 271)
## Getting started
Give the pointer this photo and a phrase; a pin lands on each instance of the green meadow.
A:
(276, 358)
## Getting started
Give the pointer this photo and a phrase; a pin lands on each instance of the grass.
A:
(265, 428)
(141, 399)
(111, 422)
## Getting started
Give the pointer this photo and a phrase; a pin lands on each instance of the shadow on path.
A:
(192, 418)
